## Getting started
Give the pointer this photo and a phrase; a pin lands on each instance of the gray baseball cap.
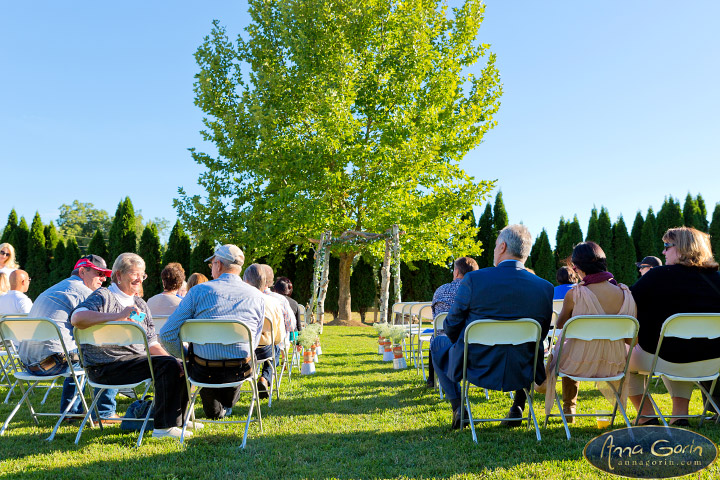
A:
(229, 253)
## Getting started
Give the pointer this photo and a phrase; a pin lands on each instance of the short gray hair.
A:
(518, 240)
(124, 262)
(269, 275)
(255, 275)
(229, 266)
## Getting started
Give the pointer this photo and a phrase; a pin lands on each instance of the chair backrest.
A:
(503, 332)
(557, 306)
(159, 321)
(216, 330)
(119, 332)
(19, 329)
(438, 321)
(426, 313)
(692, 325)
(301, 314)
(601, 327)
(416, 308)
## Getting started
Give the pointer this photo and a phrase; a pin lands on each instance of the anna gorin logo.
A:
(651, 452)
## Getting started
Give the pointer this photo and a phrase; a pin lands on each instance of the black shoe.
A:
(456, 419)
(262, 386)
(430, 383)
(652, 421)
(515, 412)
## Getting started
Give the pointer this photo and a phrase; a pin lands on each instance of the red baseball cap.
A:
(95, 262)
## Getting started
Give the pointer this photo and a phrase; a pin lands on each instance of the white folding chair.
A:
(159, 321)
(414, 330)
(302, 315)
(225, 332)
(14, 329)
(685, 326)
(397, 313)
(274, 381)
(438, 323)
(122, 333)
(500, 332)
(424, 336)
(597, 327)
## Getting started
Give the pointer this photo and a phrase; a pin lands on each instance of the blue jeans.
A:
(265, 351)
(439, 345)
(106, 403)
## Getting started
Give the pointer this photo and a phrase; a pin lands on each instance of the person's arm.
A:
(88, 318)
(25, 305)
(567, 308)
(157, 349)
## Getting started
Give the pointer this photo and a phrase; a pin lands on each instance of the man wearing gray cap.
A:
(227, 296)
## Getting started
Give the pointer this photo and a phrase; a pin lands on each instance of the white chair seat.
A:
(29, 377)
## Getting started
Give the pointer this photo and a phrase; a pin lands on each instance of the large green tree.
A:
(10, 226)
(122, 237)
(486, 237)
(98, 247)
(650, 243)
(703, 213)
(204, 249)
(178, 248)
(37, 258)
(571, 236)
(82, 220)
(19, 240)
(636, 233)
(543, 261)
(72, 255)
(715, 232)
(691, 213)
(149, 249)
(592, 232)
(335, 115)
(57, 265)
(669, 216)
(623, 252)
(500, 216)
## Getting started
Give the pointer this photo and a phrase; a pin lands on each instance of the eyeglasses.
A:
(5, 254)
(142, 276)
(640, 267)
(668, 245)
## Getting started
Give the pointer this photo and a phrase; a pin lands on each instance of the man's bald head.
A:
(19, 280)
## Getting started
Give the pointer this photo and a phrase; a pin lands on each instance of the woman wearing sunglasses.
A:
(7, 265)
(688, 283)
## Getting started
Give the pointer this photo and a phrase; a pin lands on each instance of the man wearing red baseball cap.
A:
(57, 303)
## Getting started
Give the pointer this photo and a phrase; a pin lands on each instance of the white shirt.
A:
(14, 302)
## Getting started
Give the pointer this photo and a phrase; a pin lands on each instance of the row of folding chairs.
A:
(196, 331)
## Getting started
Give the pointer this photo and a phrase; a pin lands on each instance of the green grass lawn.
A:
(355, 418)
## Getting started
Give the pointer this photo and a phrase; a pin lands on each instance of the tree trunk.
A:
(346, 259)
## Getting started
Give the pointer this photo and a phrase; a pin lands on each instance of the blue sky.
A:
(605, 103)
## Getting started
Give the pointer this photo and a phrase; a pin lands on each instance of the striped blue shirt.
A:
(226, 297)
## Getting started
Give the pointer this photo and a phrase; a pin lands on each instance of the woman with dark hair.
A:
(284, 287)
(566, 278)
(689, 282)
(165, 303)
(597, 294)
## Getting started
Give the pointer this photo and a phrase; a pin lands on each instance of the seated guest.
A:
(284, 287)
(4, 284)
(115, 364)
(15, 301)
(256, 276)
(196, 279)
(597, 294)
(443, 299)
(288, 315)
(227, 296)
(165, 303)
(565, 278)
(182, 291)
(57, 303)
(504, 292)
(688, 283)
(647, 263)
(7, 259)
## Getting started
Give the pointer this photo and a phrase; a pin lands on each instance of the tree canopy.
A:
(339, 115)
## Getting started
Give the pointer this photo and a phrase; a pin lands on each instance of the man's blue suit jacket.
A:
(505, 292)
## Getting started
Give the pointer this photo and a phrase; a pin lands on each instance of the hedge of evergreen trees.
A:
(49, 258)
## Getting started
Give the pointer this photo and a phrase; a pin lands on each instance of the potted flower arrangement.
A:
(381, 329)
(306, 338)
(398, 334)
(315, 331)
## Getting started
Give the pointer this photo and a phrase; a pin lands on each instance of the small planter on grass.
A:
(306, 338)
(398, 334)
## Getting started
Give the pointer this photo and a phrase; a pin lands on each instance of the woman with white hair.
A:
(115, 364)
(7, 266)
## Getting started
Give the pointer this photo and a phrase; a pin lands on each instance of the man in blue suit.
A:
(506, 291)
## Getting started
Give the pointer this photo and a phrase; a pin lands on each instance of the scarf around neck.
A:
(598, 278)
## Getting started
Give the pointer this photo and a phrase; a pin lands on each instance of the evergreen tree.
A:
(636, 234)
(362, 286)
(715, 232)
(97, 246)
(649, 243)
(691, 213)
(593, 233)
(178, 247)
(571, 236)
(72, 255)
(703, 220)
(122, 231)
(669, 216)
(19, 240)
(36, 263)
(543, 260)
(558, 239)
(605, 236)
(486, 236)
(51, 240)
(623, 253)
(500, 216)
(11, 225)
(204, 249)
(149, 250)
(57, 263)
